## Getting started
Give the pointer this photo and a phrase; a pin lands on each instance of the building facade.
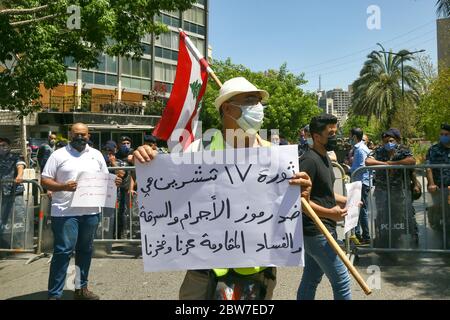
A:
(336, 102)
(443, 38)
(116, 98)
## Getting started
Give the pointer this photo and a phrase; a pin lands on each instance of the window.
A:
(111, 80)
(111, 64)
(195, 15)
(146, 66)
(126, 65)
(169, 20)
(100, 78)
(168, 40)
(164, 72)
(69, 62)
(87, 76)
(192, 27)
(136, 68)
(71, 75)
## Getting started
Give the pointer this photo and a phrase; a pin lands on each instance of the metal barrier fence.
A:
(22, 217)
(397, 222)
(120, 225)
(339, 187)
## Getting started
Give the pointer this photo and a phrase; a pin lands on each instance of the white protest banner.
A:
(353, 205)
(228, 209)
(95, 190)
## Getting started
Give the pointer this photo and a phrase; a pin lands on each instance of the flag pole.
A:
(200, 58)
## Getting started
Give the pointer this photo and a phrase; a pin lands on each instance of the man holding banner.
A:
(74, 226)
(242, 115)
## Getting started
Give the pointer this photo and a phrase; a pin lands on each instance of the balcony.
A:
(100, 111)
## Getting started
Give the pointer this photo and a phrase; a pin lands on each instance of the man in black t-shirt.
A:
(320, 257)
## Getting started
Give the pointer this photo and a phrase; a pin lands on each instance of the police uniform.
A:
(398, 184)
(439, 154)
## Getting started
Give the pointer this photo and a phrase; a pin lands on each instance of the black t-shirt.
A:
(320, 169)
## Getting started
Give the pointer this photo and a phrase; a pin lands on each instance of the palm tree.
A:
(443, 8)
(378, 90)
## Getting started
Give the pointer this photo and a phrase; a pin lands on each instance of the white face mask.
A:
(251, 119)
(310, 141)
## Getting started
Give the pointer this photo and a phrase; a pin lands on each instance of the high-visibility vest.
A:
(218, 144)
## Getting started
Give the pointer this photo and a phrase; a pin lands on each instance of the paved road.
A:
(122, 278)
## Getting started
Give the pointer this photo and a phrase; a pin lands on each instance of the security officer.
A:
(439, 180)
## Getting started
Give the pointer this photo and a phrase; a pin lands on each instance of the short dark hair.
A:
(358, 133)
(445, 126)
(5, 140)
(126, 138)
(319, 123)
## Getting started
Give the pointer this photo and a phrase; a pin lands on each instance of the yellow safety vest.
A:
(217, 144)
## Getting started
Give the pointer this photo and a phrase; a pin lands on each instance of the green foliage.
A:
(372, 128)
(37, 49)
(443, 8)
(378, 90)
(289, 108)
(419, 150)
(434, 107)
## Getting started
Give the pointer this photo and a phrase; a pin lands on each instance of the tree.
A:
(443, 8)
(434, 107)
(289, 108)
(371, 128)
(427, 70)
(35, 40)
(377, 91)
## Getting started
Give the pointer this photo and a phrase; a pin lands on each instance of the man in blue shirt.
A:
(360, 154)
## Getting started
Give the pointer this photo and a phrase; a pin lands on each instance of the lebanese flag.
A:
(182, 109)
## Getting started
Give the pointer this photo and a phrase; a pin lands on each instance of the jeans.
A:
(321, 259)
(71, 234)
(8, 205)
(363, 222)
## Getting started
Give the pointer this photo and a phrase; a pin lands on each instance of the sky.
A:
(318, 37)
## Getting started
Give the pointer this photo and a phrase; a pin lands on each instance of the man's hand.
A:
(433, 188)
(338, 214)
(118, 181)
(144, 154)
(303, 180)
(70, 186)
(18, 180)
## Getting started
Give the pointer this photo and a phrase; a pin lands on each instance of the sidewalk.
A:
(408, 278)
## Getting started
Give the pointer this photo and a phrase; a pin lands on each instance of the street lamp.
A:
(402, 56)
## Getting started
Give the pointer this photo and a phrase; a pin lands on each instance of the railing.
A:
(18, 213)
(400, 224)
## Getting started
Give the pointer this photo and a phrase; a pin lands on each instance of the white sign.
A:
(353, 205)
(219, 213)
(95, 190)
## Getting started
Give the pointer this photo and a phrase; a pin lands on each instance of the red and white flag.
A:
(179, 120)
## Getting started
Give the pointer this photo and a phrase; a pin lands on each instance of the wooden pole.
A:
(214, 77)
(336, 247)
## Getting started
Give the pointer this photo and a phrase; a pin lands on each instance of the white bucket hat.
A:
(237, 86)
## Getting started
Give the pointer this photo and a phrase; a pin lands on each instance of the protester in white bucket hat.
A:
(240, 104)
(237, 86)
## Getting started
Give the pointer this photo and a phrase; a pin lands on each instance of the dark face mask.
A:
(125, 149)
(331, 144)
(78, 143)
